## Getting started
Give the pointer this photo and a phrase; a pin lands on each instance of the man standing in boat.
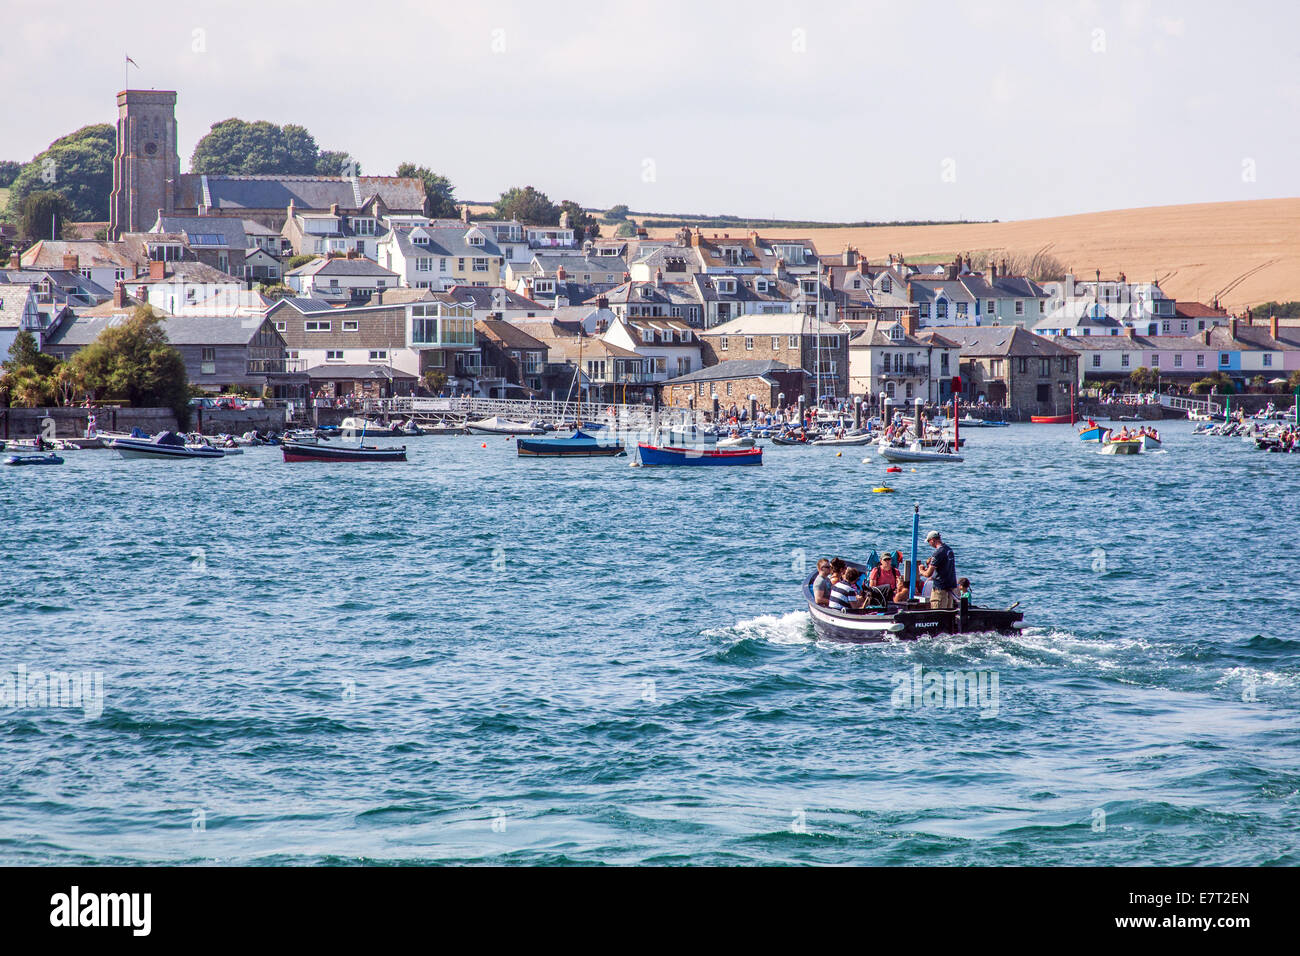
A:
(941, 569)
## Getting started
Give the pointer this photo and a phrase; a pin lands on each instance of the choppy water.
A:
(485, 659)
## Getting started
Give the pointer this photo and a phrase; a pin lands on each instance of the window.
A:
(1182, 326)
(722, 343)
(792, 342)
(728, 388)
(1042, 306)
(1044, 367)
(1022, 365)
(480, 265)
(119, 274)
(886, 285)
(1155, 359)
(351, 325)
(316, 326)
(379, 355)
(749, 344)
(776, 343)
(1178, 360)
(991, 307)
(941, 309)
(961, 308)
(209, 355)
(830, 341)
(1096, 360)
(282, 326)
(995, 367)
(1020, 306)
(1268, 360)
(334, 355)
(1123, 360)
(943, 363)
(1224, 359)
(460, 265)
(1200, 360)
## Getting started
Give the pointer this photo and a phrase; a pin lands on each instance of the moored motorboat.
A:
(496, 425)
(579, 445)
(162, 445)
(916, 454)
(335, 451)
(50, 459)
(669, 455)
(846, 442)
(1052, 419)
(969, 422)
(737, 441)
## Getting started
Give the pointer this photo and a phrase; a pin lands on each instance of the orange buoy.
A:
(485, 444)
(892, 468)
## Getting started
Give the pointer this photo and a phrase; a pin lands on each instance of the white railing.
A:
(1184, 403)
(630, 417)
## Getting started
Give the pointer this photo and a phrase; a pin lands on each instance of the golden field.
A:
(1196, 251)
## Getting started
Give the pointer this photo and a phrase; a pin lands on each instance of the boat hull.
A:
(565, 448)
(907, 455)
(33, 460)
(660, 455)
(1132, 447)
(844, 442)
(1051, 419)
(341, 453)
(1093, 434)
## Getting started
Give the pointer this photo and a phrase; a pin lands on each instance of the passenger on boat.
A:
(941, 569)
(845, 594)
(838, 568)
(883, 574)
(822, 584)
(963, 588)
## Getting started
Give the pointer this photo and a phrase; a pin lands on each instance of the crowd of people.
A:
(841, 586)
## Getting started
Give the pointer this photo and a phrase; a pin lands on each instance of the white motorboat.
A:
(496, 425)
(914, 453)
(162, 445)
(737, 441)
(845, 442)
(1129, 446)
(1150, 443)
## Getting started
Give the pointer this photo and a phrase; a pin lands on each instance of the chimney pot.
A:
(71, 262)
(602, 302)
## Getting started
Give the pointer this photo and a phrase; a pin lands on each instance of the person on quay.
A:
(941, 570)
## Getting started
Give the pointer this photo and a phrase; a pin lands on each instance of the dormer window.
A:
(896, 333)
(476, 240)
(885, 284)
(727, 286)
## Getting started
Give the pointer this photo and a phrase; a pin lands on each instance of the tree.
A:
(135, 362)
(1144, 379)
(625, 231)
(528, 206)
(439, 194)
(300, 260)
(337, 162)
(583, 223)
(275, 290)
(236, 147)
(9, 171)
(79, 166)
(29, 374)
(435, 380)
(1219, 382)
(43, 215)
(616, 213)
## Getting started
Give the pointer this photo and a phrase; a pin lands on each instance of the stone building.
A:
(1010, 366)
(774, 384)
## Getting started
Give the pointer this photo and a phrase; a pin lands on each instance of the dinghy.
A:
(668, 455)
(496, 425)
(915, 453)
(331, 451)
(50, 459)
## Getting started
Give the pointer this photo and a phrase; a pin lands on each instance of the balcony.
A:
(275, 366)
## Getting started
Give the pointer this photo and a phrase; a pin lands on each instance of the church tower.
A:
(146, 169)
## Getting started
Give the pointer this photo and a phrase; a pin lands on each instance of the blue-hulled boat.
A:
(50, 459)
(579, 445)
(1094, 433)
(662, 455)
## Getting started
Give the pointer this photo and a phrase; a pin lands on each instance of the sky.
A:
(883, 111)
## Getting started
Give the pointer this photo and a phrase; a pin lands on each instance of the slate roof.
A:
(229, 232)
(180, 330)
(736, 368)
(511, 336)
(350, 373)
(1000, 340)
(305, 192)
(343, 266)
(486, 297)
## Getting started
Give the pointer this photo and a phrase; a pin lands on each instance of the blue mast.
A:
(916, 534)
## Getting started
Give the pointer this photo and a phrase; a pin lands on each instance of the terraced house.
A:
(794, 339)
(426, 257)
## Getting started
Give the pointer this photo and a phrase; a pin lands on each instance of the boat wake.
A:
(792, 628)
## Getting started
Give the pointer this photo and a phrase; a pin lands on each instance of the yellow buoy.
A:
(882, 489)
(839, 454)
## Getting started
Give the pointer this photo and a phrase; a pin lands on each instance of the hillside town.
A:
(304, 288)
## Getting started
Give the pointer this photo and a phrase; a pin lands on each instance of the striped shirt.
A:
(843, 595)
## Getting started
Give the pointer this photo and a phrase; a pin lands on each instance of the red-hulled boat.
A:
(1052, 419)
(667, 455)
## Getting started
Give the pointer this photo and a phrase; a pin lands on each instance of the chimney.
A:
(159, 217)
(157, 269)
(659, 278)
(954, 268)
(602, 302)
(909, 321)
(993, 271)
(119, 294)
(334, 209)
(1234, 329)
(1122, 279)
(909, 293)
(560, 274)
(378, 297)
(848, 257)
(863, 266)
(464, 214)
(70, 262)
(695, 237)
(1067, 287)
(1272, 325)
(142, 293)
(15, 261)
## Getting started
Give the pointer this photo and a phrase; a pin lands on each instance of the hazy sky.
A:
(843, 111)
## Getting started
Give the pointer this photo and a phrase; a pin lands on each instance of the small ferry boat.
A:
(884, 620)
(330, 451)
(579, 445)
(162, 445)
(668, 455)
(1094, 433)
(496, 425)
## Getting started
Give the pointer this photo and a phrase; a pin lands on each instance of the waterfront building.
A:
(772, 382)
(1010, 366)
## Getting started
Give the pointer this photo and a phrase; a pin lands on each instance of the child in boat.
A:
(963, 588)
